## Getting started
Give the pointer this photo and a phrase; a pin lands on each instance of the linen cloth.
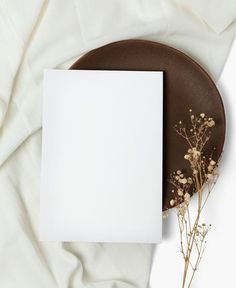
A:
(36, 35)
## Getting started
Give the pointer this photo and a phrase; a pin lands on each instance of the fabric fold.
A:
(217, 14)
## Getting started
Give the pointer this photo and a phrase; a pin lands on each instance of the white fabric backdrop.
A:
(35, 35)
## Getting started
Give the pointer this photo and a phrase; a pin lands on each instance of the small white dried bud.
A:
(183, 180)
(187, 197)
(190, 181)
(180, 192)
(212, 163)
(172, 202)
(211, 123)
(195, 153)
(187, 157)
(210, 168)
(202, 115)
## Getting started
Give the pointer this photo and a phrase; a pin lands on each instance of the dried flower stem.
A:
(204, 175)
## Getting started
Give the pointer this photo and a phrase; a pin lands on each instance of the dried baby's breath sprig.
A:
(203, 175)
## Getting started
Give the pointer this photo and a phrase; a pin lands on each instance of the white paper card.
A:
(102, 156)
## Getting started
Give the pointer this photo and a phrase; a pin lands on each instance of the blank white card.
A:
(102, 156)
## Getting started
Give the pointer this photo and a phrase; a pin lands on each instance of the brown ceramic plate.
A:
(186, 85)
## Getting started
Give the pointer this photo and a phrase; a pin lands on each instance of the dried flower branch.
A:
(204, 175)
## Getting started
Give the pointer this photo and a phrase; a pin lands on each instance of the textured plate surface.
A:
(186, 85)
